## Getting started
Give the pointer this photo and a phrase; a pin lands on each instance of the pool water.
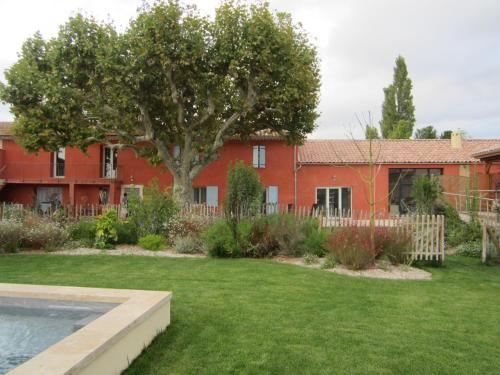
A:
(28, 326)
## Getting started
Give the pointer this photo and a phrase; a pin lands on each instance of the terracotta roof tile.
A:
(5, 128)
(397, 151)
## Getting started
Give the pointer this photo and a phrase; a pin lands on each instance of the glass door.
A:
(334, 201)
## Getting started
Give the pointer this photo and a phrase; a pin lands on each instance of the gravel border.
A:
(380, 271)
(126, 250)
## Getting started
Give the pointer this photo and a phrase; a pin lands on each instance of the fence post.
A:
(485, 242)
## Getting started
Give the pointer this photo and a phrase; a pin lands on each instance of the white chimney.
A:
(456, 139)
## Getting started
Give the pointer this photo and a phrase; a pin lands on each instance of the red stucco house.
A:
(324, 172)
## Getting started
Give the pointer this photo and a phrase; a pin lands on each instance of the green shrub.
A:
(350, 246)
(311, 258)
(152, 214)
(10, 235)
(219, 241)
(83, 231)
(184, 226)
(315, 237)
(106, 235)
(126, 232)
(244, 191)
(153, 242)
(470, 249)
(190, 244)
(329, 263)
(456, 231)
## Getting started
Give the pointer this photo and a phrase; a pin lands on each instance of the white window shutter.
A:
(256, 156)
(212, 196)
(262, 157)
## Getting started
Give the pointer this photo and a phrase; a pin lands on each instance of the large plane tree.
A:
(173, 77)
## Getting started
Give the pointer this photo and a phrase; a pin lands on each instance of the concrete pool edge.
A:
(108, 344)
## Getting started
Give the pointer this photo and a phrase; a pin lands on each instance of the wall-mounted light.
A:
(131, 178)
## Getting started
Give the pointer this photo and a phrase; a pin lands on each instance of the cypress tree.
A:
(398, 111)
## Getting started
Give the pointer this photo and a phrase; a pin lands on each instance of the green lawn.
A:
(253, 317)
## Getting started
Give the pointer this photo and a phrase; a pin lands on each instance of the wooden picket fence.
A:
(427, 231)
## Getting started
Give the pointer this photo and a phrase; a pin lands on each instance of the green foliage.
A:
(446, 134)
(83, 231)
(106, 235)
(310, 258)
(183, 226)
(126, 232)
(398, 111)
(153, 242)
(371, 132)
(471, 249)
(315, 238)
(10, 235)
(329, 263)
(456, 231)
(172, 76)
(350, 246)
(425, 191)
(219, 241)
(152, 214)
(427, 132)
(244, 191)
(190, 244)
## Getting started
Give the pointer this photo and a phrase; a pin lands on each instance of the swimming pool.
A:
(61, 330)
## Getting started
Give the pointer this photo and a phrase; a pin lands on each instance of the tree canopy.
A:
(398, 111)
(173, 77)
(427, 132)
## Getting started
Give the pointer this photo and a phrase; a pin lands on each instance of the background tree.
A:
(446, 134)
(398, 111)
(428, 132)
(425, 191)
(371, 132)
(173, 77)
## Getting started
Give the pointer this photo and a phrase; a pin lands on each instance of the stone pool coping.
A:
(108, 344)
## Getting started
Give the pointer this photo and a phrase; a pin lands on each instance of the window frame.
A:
(327, 198)
(56, 164)
(260, 161)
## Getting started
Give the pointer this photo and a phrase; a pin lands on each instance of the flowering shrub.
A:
(350, 246)
(182, 226)
(10, 235)
(43, 234)
(394, 244)
(191, 244)
(471, 249)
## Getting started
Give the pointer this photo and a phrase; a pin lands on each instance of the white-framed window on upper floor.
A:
(109, 162)
(259, 156)
(59, 161)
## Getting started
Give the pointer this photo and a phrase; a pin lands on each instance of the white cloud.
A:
(451, 49)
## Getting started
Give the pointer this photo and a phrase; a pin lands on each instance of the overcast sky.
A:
(452, 49)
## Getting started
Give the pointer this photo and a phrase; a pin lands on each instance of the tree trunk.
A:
(183, 190)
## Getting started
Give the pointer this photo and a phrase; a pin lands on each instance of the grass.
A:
(256, 316)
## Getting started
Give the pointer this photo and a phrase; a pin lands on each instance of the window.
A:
(129, 191)
(49, 198)
(259, 156)
(59, 161)
(400, 182)
(334, 201)
(109, 162)
(208, 195)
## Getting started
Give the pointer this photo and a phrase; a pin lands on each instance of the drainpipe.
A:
(296, 168)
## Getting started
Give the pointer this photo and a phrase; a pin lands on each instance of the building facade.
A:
(328, 173)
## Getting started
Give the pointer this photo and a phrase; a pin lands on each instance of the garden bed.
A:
(381, 270)
(126, 250)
